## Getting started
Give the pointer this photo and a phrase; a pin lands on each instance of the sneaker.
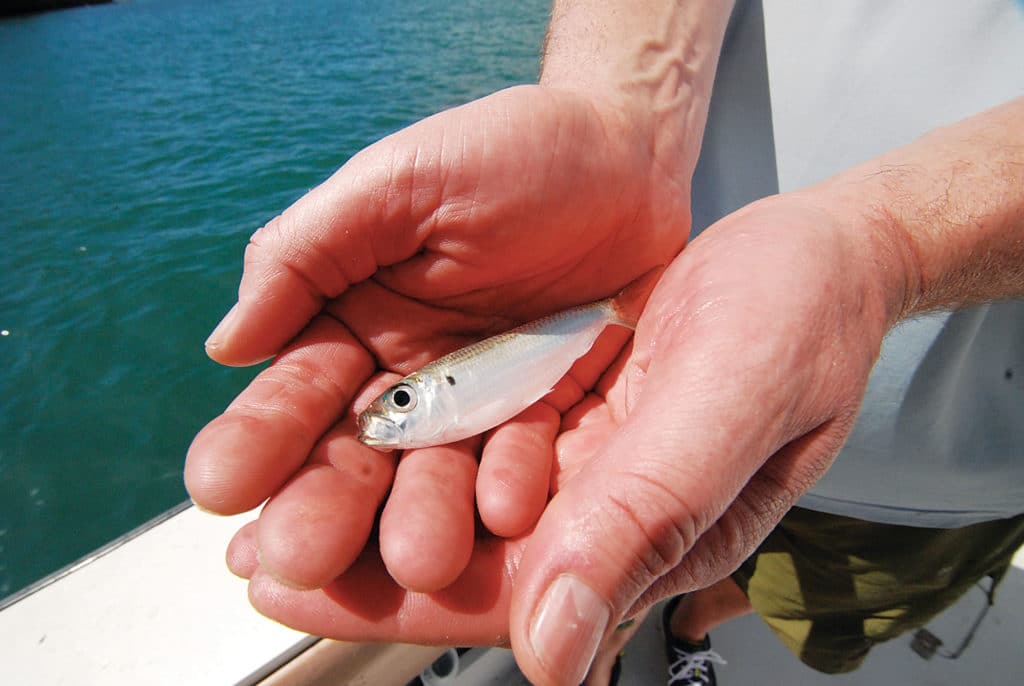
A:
(689, 664)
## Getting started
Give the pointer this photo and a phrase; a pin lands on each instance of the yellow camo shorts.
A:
(832, 587)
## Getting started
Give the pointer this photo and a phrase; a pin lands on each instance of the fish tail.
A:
(629, 303)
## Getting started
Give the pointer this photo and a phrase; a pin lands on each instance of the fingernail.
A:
(222, 330)
(567, 628)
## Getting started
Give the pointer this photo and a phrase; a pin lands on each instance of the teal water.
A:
(140, 145)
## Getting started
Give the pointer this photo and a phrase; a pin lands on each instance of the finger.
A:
(366, 604)
(243, 456)
(515, 468)
(589, 424)
(428, 525)
(426, 332)
(364, 216)
(585, 430)
(241, 555)
(319, 522)
(605, 357)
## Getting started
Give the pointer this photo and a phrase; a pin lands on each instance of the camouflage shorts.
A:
(832, 587)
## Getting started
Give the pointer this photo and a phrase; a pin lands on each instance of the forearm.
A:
(654, 58)
(949, 211)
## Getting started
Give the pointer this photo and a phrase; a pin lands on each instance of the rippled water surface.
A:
(140, 145)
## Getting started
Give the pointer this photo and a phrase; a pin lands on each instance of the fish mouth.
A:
(375, 442)
(378, 432)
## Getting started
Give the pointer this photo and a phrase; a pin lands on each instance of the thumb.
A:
(338, 234)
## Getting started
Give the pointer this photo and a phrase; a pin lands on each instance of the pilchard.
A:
(477, 387)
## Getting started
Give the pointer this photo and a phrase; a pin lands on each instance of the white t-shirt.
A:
(939, 441)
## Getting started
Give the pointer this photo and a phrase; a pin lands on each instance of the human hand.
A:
(744, 378)
(452, 229)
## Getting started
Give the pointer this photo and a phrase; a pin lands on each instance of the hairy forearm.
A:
(654, 58)
(949, 209)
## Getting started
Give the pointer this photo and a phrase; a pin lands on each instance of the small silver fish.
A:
(475, 388)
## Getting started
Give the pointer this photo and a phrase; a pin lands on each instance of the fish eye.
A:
(403, 398)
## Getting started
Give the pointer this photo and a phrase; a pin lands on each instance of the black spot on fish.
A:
(450, 380)
(1008, 374)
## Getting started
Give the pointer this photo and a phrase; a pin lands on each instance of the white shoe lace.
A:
(692, 669)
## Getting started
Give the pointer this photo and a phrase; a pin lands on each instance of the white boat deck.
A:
(162, 609)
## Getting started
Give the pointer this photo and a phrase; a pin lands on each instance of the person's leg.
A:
(686, 621)
(701, 611)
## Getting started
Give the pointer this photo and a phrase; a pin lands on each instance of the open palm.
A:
(497, 212)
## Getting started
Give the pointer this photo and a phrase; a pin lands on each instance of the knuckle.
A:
(266, 236)
(296, 245)
(663, 525)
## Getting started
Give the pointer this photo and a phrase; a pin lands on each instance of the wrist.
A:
(948, 209)
(648, 65)
(892, 274)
